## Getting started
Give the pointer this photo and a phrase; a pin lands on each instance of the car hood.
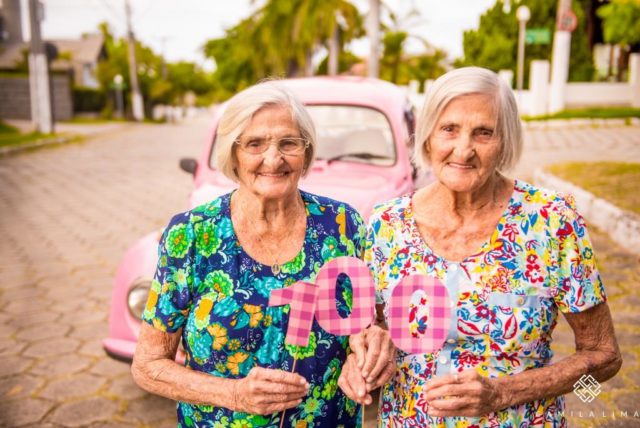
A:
(360, 190)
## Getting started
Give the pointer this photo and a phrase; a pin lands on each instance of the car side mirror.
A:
(189, 165)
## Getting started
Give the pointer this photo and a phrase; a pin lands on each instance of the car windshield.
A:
(351, 133)
(354, 134)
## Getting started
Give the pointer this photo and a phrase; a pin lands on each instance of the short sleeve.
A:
(578, 283)
(356, 233)
(170, 296)
(371, 246)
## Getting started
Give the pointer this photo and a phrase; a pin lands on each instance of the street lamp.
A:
(523, 14)
(118, 86)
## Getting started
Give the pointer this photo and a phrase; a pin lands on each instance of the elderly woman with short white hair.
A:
(218, 264)
(511, 255)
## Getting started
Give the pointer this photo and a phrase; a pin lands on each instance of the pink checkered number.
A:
(363, 308)
(301, 297)
(439, 308)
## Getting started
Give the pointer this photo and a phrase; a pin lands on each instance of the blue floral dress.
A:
(208, 287)
(506, 298)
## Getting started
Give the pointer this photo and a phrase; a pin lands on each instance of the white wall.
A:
(586, 94)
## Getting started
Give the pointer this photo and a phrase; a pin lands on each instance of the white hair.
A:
(240, 110)
(467, 81)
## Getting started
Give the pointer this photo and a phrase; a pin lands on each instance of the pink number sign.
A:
(438, 305)
(302, 296)
(307, 301)
(364, 301)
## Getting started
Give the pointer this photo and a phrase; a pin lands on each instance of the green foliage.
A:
(159, 82)
(621, 21)
(494, 44)
(7, 129)
(346, 60)
(591, 113)
(278, 40)
(88, 99)
(392, 54)
(616, 182)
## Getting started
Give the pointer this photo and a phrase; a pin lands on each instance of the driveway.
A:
(68, 213)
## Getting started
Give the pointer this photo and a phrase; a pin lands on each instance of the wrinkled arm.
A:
(155, 370)
(597, 354)
(469, 394)
(262, 391)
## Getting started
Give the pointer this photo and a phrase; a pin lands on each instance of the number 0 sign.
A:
(307, 301)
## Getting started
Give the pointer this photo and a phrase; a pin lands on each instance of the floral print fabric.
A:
(206, 285)
(505, 299)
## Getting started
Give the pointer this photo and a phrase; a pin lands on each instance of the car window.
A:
(350, 133)
(354, 134)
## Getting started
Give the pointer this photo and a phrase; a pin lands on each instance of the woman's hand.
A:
(375, 355)
(352, 383)
(462, 394)
(266, 391)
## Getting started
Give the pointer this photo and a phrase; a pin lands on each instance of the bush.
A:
(88, 100)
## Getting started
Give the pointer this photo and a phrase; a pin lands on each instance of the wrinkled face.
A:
(463, 148)
(271, 174)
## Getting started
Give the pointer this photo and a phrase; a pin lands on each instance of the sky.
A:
(178, 28)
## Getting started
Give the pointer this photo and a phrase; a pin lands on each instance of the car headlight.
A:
(137, 297)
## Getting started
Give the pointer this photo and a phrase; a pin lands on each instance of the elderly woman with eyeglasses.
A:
(218, 264)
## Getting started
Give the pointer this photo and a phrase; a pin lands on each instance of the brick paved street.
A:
(68, 213)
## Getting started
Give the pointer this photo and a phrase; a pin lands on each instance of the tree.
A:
(621, 26)
(183, 77)
(279, 39)
(494, 44)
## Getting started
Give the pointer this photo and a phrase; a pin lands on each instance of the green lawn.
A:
(616, 182)
(10, 136)
(590, 113)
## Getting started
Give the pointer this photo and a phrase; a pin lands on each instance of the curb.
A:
(580, 123)
(622, 226)
(38, 143)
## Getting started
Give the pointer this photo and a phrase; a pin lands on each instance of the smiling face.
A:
(463, 148)
(270, 175)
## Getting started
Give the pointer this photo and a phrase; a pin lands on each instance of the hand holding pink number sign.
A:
(308, 301)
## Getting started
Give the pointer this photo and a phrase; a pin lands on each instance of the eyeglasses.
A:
(291, 146)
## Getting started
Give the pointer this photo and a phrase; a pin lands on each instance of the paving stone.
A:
(629, 402)
(19, 386)
(84, 412)
(622, 422)
(13, 364)
(151, 409)
(45, 331)
(89, 331)
(92, 348)
(89, 316)
(60, 365)
(18, 412)
(76, 386)
(38, 318)
(124, 387)
(115, 424)
(109, 367)
(52, 347)
(10, 347)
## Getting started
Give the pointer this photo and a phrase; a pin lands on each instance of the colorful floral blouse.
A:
(505, 301)
(218, 295)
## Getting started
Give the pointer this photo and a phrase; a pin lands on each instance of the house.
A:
(78, 57)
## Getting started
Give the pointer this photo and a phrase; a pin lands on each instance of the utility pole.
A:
(565, 24)
(39, 85)
(374, 38)
(136, 98)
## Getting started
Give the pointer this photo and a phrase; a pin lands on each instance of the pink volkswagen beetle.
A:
(364, 129)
